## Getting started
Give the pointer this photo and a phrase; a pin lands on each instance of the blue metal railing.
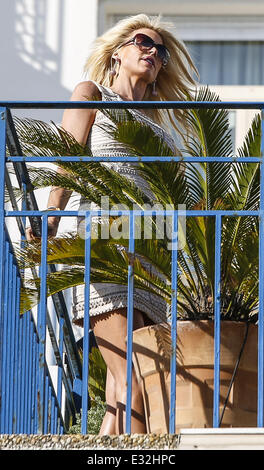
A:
(34, 405)
(30, 402)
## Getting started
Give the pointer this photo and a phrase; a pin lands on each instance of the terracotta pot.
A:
(195, 374)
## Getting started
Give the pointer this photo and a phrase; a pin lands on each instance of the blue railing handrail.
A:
(136, 159)
(94, 212)
(132, 104)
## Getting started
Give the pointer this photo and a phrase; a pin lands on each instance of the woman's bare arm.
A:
(77, 122)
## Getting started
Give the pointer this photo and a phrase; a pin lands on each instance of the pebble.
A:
(87, 442)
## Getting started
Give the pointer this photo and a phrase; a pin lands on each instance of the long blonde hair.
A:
(174, 82)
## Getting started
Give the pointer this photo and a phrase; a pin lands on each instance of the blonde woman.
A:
(138, 59)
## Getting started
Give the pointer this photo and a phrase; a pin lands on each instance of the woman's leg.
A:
(110, 330)
(108, 426)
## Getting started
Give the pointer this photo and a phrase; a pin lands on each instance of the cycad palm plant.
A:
(205, 185)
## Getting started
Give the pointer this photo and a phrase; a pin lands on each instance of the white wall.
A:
(244, 117)
(43, 47)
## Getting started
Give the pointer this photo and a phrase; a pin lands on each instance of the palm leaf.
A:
(166, 180)
(109, 263)
(97, 374)
(211, 137)
(39, 138)
(244, 196)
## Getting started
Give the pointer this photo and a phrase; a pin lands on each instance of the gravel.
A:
(87, 442)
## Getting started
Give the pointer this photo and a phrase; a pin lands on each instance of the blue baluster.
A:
(217, 312)
(86, 326)
(174, 269)
(130, 311)
(261, 290)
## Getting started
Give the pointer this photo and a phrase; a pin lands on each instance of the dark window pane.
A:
(228, 62)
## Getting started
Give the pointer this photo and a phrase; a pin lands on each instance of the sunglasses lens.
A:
(143, 40)
(162, 52)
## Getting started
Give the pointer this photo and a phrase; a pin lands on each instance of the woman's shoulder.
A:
(87, 89)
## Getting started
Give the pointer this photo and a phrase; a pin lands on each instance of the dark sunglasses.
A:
(145, 42)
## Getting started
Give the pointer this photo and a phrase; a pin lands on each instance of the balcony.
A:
(34, 399)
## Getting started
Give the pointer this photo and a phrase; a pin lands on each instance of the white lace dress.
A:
(105, 297)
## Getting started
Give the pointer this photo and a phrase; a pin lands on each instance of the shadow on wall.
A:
(30, 68)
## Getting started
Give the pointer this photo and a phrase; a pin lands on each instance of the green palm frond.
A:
(166, 180)
(97, 375)
(109, 264)
(56, 282)
(39, 138)
(211, 138)
(247, 174)
(92, 180)
(67, 249)
(211, 126)
(96, 183)
(139, 138)
(243, 196)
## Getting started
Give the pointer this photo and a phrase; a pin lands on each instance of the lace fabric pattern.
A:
(105, 297)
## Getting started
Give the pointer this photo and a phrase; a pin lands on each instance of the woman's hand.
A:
(53, 223)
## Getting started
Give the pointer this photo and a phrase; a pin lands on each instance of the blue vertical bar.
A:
(49, 406)
(8, 314)
(8, 337)
(46, 406)
(4, 381)
(16, 371)
(25, 411)
(217, 313)
(23, 374)
(12, 314)
(86, 325)
(59, 383)
(33, 368)
(260, 421)
(2, 237)
(35, 383)
(41, 327)
(174, 278)
(30, 371)
(13, 347)
(130, 311)
(20, 375)
(28, 378)
(53, 415)
(60, 425)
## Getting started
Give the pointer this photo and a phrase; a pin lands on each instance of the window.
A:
(228, 62)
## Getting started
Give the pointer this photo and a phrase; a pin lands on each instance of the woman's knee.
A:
(110, 389)
(122, 386)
